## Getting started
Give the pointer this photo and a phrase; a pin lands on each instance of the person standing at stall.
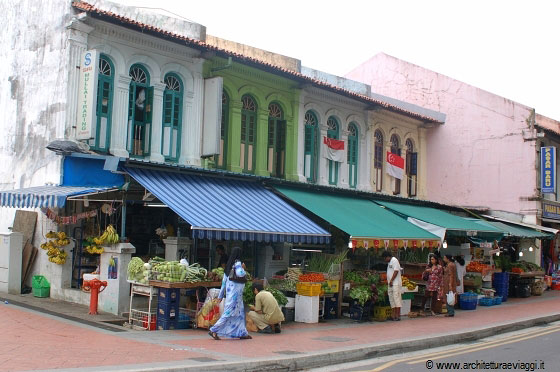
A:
(461, 271)
(394, 282)
(449, 282)
(223, 256)
(232, 322)
(434, 278)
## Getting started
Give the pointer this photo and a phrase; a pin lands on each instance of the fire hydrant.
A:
(95, 286)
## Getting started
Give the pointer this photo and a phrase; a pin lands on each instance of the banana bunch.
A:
(57, 255)
(59, 239)
(110, 235)
(94, 249)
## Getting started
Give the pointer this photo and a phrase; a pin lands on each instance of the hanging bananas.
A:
(54, 245)
(110, 235)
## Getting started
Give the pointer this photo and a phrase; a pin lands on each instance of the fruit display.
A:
(476, 267)
(109, 236)
(409, 284)
(524, 266)
(312, 277)
(92, 245)
(135, 270)
(216, 275)
(54, 245)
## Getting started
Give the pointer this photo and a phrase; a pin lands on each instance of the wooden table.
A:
(162, 284)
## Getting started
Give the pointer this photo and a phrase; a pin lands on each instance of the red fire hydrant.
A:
(95, 286)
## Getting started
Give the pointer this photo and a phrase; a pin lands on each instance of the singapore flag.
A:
(395, 165)
(334, 149)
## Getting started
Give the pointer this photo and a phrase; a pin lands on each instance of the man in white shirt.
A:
(394, 284)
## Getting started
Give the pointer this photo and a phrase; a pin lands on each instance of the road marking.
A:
(465, 348)
(482, 347)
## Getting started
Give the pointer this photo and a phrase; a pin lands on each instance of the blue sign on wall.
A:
(548, 169)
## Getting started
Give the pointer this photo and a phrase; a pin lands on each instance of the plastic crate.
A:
(308, 289)
(486, 301)
(468, 301)
(332, 286)
(497, 300)
(169, 294)
(40, 286)
(165, 325)
(168, 310)
(381, 313)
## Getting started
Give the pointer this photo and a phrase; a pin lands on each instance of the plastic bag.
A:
(210, 311)
(451, 298)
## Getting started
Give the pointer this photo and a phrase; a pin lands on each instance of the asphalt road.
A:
(532, 349)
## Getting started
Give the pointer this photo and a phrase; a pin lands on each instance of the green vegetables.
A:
(278, 295)
(361, 294)
(361, 277)
(417, 255)
(135, 269)
(173, 271)
(322, 263)
(249, 295)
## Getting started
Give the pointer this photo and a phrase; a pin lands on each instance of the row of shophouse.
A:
(176, 106)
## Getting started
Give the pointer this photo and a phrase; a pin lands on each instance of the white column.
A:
(300, 122)
(77, 44)
(364, 160)
(119, 130)
(157, 127)
(323, 162)
(191, 134)
(343, 176)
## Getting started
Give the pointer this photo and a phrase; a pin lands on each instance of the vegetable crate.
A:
(308, 289)
(381, 313)
(486, 301)
(169, 295)
(468, 301)
(142, 319)
(331, 286)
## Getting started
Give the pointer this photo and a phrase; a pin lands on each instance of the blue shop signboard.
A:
(548, 169)
(551, 211)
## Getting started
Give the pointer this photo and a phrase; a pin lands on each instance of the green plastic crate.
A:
(41, 287)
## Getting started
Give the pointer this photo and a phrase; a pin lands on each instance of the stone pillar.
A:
(115, 299)
(77, 44)
(157, 126)
(261, 143)
(323, 162)
(192, 129)
(234, 139)
(300, 136)
(119, 127)
(343, 167)
(59, 276)
(364, 160)
(177, 247)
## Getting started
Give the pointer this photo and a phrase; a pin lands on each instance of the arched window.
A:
(140, 102)
(378, 157)
(248, 133)
(333, 132)
(104, 109)
(172, 117)
(352, 155)
(411, 168)
(310, 146)
(396, 149)
(276, 140)
(221, 158)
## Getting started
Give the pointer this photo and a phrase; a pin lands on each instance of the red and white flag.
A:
(395, 165)
(334, 150)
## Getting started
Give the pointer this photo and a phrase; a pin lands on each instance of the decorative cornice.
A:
(275, 83)
(117, 34)
(316, 94)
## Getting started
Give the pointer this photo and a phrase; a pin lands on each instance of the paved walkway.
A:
(33, 340)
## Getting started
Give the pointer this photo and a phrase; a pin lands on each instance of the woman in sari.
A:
(232, 322)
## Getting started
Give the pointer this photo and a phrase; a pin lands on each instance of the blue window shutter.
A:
(414, 164)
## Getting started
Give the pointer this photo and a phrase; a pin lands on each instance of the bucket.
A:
(41, 287)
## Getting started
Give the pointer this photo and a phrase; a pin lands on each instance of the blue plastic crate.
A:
(468, 301)
(486, 301)
(165, 325)
(497, 300)
(169, 294)
(168, 310)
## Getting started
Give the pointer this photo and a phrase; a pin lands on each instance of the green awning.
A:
(438, 217)
(519, 231)
(359, 218)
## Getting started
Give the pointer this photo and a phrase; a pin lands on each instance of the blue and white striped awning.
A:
(43, 196)
(227, 209)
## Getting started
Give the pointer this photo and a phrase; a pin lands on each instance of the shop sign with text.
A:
(87, 95)
(551, 211)
(548, 169)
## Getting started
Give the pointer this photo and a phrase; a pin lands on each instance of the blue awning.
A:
(43, 196)
(228, 209)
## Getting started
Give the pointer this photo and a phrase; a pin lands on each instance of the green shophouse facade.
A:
(259, 121)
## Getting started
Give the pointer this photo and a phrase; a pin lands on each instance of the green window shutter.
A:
(148, 123)
(131, 112)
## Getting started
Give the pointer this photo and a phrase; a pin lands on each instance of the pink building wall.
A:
(479, 157)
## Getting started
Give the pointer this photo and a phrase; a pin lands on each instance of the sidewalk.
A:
(32, 340)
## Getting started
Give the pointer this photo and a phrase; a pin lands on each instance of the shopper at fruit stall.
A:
(232, 322)
(449, 282)
(461, 271)
(223, 256)
(434, 278)
(394, 282)
(266, 313)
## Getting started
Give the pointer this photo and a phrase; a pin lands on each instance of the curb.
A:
(352, 354)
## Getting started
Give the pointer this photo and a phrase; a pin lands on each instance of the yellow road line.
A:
(466, 348)
(481, 347)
